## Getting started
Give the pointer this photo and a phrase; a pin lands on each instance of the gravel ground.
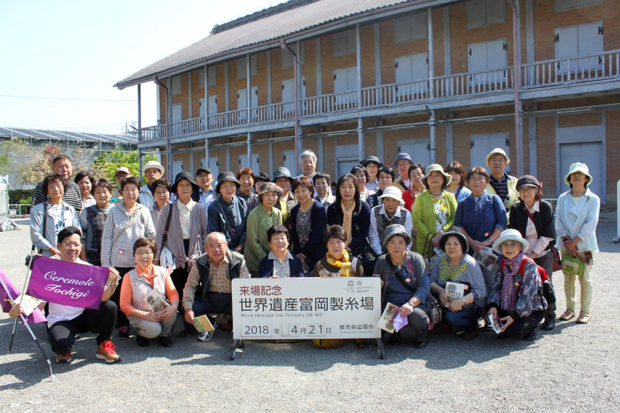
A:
(572, 368)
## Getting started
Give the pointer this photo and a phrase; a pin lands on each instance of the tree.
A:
(107, 163)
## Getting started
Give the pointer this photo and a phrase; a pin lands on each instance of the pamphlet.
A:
(28, 303)
(156, 301)
(494, 322)
(455, 291)
(387, 318)
(203, 324)
(486, 258)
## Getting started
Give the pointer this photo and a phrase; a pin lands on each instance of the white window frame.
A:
(176, 85)
(482, 8)
(241, 69)
(344, 43)
(406, 28)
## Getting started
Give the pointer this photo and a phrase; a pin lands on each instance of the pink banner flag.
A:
(67, 283)
(9, 293)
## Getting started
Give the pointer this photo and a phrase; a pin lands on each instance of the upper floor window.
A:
(211, 76)
(485, 13)
(409, 28)
(176, 85)
(287, 58)
(574, 41)
(564, 5)
(344, 43)
(242, 69)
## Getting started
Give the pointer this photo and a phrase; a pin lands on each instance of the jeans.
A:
(116, 296)
(465, 319)
(215, 303)
(62, 333)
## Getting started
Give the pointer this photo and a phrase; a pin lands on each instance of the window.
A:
(344, 43)
(482, 13)
(410, 69)
(345, 80)
(211, 76)
(483, 60)
(574, 41)
(287, 58)
(564, 5)
(241, 67)
(176, 85)
(409, 28)
(288, 93)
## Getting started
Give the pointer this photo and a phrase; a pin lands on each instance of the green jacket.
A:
(513, 194)
(424, 219)
(257, 244)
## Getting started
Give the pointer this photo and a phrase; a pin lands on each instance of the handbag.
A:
(557, 262)
(572, 265)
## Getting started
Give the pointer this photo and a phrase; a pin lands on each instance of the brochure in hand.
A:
(203, 324)
(387, 318)
(455, 291)
(486, 258)
(156, 301)
(494, 322)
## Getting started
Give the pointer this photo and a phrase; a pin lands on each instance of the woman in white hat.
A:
(153, 171)
(390, 211)
(576, 218)
(433, 210)
(515, 300)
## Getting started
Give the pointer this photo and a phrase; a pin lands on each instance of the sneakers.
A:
(206, 336)
(584, 318)
(63, 357)
(567, 315)
(123, 332)
(142, 341)
(107, 351)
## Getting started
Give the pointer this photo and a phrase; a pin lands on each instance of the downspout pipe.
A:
(516, 69)
(286, 47)
(168, 130)
(140, 130)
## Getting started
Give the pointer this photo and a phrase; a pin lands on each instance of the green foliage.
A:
(107, 163)
(16, 196)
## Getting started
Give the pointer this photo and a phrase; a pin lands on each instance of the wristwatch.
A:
(411, 303)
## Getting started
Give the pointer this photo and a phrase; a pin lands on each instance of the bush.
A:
(20, 196)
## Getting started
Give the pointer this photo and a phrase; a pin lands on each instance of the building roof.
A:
(64, 135)
(264, 27)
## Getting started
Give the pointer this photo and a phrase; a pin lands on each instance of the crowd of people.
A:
(454, 249)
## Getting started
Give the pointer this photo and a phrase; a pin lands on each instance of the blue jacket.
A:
(314, 249)
(265, 268)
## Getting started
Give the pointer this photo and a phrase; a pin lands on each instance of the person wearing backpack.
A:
(515, 299)
(533, 218)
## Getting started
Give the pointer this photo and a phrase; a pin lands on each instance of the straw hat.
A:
(497, 151)
(153, 164)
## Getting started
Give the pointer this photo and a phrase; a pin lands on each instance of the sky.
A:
(59, 59)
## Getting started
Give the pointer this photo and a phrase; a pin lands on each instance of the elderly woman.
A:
(457, 184)
(415, 173)
(481, 217)
(280, 263)
(246, 189)
(227, 214)
(86, 183)
(514, 299)
(321, 183)
(338, 261)
(372, 164)
(182, 230)
(263, 217)
(362, 178)
(48, 218)
(463, 305)
(389, 212)
(576, 217)
(93, 220)
(405, 282)
(533, 218)
(353, 215)
(161, 195)
(143, 296)
(306, 223)
(433, 210)
(283, 179)
(385, 179)
(127, 221)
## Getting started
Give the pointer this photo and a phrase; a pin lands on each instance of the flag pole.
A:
(25, 322)
(26, 282)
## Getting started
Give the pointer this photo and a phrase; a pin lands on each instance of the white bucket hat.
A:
(578, 167)
(510, 235)
(394, 193)
(497, 151)
(153, 164)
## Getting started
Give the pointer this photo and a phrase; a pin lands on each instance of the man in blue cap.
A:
(402, 163)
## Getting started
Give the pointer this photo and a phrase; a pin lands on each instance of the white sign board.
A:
(306, 308)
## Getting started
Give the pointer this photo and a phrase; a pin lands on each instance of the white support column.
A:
(207, 154)
(533, 143)
(139, 130)
(189, 95)
(270, 157)
(191, 161)
(377, 48)
(248, 102)
(360, 122)
(249, 143)
(228, 157)
(300, 96)
(529, 31)
(269, 91)
(319, 73)
(226, 91)
(169, 131)
(449, 142)
(321, 153)
(380, 148)
(447, 42)
(206, 97)
(431, 85)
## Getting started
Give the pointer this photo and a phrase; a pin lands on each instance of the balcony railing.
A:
(572, 70)
(546, 73)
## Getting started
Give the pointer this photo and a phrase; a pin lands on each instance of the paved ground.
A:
(572, 368)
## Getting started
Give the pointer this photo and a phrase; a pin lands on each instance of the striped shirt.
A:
(121, 254)
(72, 195)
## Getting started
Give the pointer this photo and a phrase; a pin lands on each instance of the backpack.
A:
(545, 290)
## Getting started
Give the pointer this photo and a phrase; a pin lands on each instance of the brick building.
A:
(435, 78)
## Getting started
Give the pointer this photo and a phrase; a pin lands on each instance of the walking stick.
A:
(25, 322)
(28, 273)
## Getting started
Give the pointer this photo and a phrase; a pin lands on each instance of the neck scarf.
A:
(509, 286)
(447, 273)
(347, 218)
(344, 265)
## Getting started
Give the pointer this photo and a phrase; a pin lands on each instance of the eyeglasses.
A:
(144, 253)
(71, 245)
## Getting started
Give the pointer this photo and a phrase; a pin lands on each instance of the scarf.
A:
(447, 273)
(347, 218)
(509, 286)
(343, 265)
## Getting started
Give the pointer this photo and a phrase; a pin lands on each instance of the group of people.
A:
(472, 245)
